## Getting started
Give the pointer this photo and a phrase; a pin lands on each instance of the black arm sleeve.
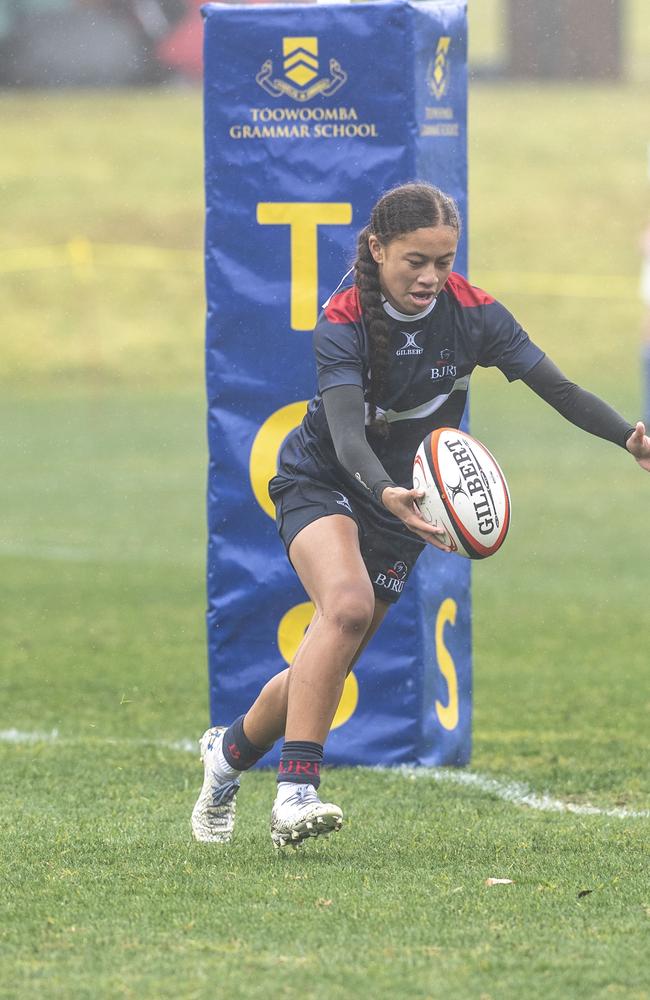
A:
(345, 410)
(582, 408)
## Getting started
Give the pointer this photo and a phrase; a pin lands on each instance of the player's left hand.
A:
(638, 444)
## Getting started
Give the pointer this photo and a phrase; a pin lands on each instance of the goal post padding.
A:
(311, 112)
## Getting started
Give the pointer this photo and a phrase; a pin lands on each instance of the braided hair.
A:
(399, 211)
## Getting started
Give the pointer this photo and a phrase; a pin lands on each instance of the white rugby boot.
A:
(300, 814)
(213, 816)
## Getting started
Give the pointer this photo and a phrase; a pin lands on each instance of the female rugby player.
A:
(395, 347)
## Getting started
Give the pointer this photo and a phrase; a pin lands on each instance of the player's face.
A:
(414, 267)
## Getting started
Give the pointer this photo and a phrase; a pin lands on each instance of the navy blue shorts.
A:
(388, 549)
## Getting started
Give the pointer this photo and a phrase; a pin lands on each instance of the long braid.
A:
(399, 211)
(367, 280)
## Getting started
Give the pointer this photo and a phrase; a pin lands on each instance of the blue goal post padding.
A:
(311, 112)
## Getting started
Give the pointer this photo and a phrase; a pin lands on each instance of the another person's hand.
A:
(638, 445)
(402, 503)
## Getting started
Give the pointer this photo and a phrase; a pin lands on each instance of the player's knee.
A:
(351, 610)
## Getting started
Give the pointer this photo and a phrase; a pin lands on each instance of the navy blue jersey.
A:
(432, 356)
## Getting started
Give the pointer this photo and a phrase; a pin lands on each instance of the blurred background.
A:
(108, 43)
(99, 43)
(102, 523)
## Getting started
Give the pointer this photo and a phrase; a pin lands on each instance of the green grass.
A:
(124, 905)
(101, 546)
(73, 171)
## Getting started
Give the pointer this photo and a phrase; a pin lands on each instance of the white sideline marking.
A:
(20, 736)
(514, 792)
(517, 793)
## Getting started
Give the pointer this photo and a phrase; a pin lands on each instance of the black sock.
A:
(238, 750)
(300, 762)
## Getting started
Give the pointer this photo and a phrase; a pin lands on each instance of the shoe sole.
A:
(318, 826)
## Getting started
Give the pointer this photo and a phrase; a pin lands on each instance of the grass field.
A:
(103, 654)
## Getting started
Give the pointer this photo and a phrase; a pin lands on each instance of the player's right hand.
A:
(638, 444)
(403, 504)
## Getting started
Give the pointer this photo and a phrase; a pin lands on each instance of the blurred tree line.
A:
(122, 42)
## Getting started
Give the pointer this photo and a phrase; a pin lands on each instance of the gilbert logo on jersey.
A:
(410, 347)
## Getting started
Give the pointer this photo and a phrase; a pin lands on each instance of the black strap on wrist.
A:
(379, 488)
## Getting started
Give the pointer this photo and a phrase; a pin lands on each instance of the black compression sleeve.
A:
(582, 408)
(345, 410)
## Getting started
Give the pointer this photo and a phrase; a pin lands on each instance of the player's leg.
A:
(265, 722)
(381, 607)
(327, 558)
(298, 812)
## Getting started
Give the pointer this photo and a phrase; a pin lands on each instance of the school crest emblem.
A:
(301, 79)
(438, 69)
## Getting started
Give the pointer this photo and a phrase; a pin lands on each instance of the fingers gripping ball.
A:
(465, 492)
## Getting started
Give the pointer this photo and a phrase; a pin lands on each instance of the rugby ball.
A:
(465, 492)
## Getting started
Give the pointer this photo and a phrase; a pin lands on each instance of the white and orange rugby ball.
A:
(465, 492)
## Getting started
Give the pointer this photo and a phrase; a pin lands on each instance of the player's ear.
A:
(376, 249)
